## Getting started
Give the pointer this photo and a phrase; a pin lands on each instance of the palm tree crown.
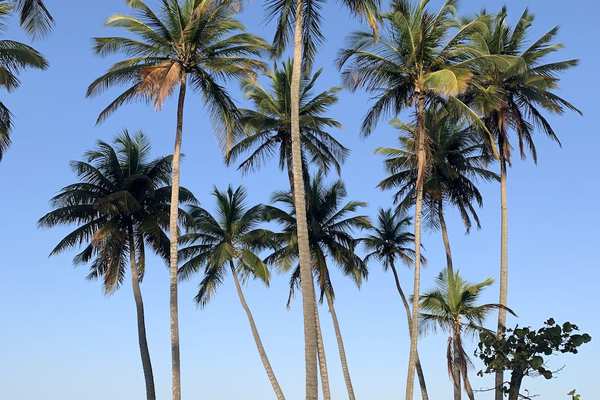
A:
(34, 16)
(455, 158)
(14, 58)
(232, 237)
(268, 126)
(196, 38)
(120, 192)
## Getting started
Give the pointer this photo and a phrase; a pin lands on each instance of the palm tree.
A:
(301, 19)
(268, 130)
(422, 59)
(120, 204)
(268, 125)
(389, 242)
(455, 158)
(452, 307)
(521, 96)
(195, 41)
(331, 223)
(229, 240)
(14, 58)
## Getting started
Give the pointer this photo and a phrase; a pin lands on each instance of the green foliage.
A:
(525, 351)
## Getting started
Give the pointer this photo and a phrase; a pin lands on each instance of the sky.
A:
(62, 338)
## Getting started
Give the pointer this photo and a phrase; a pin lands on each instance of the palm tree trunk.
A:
(420, 375)
(445, 239)
(308, 292)
(456, 368)
(141, 323)
(323, 371)
(467, 382)
(515, 385)
(499, 382)
(173, 230)
(341, 349)
(414, 325)
(261, 350)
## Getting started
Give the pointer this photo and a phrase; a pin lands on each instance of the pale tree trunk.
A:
(456, 368)
(261, 350)
(323, 371)
(445, 238)
(306, 282)
(414, 325)
(341, 349)
(499, 382)
(141, 323)
(173, 230)
(420, 374)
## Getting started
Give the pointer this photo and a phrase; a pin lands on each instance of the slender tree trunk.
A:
(173, 230)
(444, 230)
(323, 371)
(503, 252)
(467, 382)
(515, 386)
(261, 350)
(414, 326)
(456, 368)
(341, 349)
(420, 374)
(141, 323)
(308, 292)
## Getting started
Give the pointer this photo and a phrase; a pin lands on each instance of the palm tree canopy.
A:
(199, 39)
(231, 237)
(522, 93)
(120, 192)
(418, 53)
(455, 303)
(14, 58)
(455, 160)
(390, 239)
(34, 17)
(284, 13)
(331, 223)
(268, 125)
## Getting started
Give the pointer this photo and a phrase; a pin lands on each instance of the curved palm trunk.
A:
(323, 371)
(173, 230)
(420, 375)
(261, 350)
(141, 323)
(414, 325)
(445, 239)
(455, 367)
(341, 349)
(308, 292)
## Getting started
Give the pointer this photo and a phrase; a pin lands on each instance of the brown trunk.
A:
(444, 230)
(173, 230)
(515, 386)
(456, 368)
(308, 292)
(261, 350)
(420, 375)
(414, 325)
(341, 349)
(323, 371)
(141, 323)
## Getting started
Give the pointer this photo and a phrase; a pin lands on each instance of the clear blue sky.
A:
(61, 338)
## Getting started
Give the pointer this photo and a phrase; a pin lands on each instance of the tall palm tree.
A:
(455, 158)
(421, 59)
(389, 242)
(301, 19)
(268, 128)
(331, 224)
(452, 307)
(120, 204)
(521, 95)
(14, 58)
(188, 41)
(229, 240)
